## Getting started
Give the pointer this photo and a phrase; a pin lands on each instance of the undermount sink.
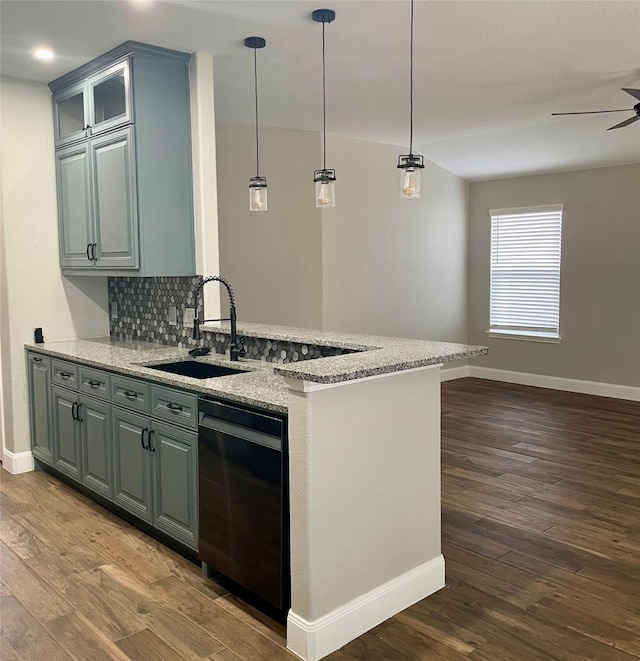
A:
(196, 370)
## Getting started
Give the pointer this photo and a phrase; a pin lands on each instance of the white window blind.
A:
(525, 271)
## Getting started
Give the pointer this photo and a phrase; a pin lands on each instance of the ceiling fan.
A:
(634, 93)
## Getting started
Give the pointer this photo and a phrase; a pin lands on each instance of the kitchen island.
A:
(364, 463)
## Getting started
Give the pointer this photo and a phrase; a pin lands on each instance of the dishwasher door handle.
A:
(250, 435)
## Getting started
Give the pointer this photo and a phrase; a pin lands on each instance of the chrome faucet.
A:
(234, 349)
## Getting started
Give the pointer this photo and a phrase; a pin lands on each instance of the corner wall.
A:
(272, 259)
(34, 293)
(600, 274)
(393, 266)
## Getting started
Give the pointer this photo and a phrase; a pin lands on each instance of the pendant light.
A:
(325, 179)
(257, 184)
(410, 164)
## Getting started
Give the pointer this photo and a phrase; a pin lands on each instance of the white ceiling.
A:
(487, 73)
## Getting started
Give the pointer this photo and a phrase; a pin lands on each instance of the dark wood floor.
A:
(541, 535)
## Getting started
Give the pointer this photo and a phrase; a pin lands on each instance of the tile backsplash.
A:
(143, 304)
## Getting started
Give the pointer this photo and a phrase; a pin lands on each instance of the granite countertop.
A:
(263, 384)
(376, 354)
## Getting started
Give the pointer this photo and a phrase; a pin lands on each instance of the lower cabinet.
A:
(39, 378)
(120, 447)
(156, 473)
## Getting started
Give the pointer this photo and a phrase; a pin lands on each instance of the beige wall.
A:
(373, 264)
(600, 276)
(272, 259)
(393, 266)
(34, 293)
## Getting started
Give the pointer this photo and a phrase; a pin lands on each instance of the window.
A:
(525, 273)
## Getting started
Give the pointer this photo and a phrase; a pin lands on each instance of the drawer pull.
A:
(37, 360)
(174, 408)
(65, 375)
(130, 395)
(94, 384)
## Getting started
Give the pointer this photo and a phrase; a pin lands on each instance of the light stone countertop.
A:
(263, 385)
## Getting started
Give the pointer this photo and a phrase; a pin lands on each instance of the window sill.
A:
(524, 335)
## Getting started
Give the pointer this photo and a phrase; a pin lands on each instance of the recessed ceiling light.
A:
(43, 53)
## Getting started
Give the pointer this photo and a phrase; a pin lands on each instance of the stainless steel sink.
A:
(196, 369)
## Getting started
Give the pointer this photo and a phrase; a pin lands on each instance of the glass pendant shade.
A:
(325, 181)
(257, 194)
(410, 166)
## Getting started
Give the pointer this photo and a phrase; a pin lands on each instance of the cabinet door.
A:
(114, 200)
(132, 462)
(66, 433)
(97, 473)
(40, 407)
(109, 99)
(74, 206)
(70, 114)
(176, 482)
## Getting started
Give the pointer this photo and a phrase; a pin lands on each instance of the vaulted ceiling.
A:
(488, 74)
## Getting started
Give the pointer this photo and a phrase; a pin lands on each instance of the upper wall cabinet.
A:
(123, 164)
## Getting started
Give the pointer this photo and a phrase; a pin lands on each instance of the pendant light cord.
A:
(324, 104)
(255, 81)
(411, 87)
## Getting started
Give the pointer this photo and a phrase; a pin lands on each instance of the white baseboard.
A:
(450, 373)
(556, 383)
(315, 640)
(18, 462)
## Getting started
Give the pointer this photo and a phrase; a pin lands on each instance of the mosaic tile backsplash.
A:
(143, 314)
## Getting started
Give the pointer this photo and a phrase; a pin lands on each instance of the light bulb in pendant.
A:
(325, 181)
(258, 194)
(410, 182)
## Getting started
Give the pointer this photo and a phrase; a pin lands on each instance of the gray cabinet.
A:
(95, 421)
(123, 140)
(176, 482)
(133, 464)
(66, 433)
(39, 377)
(129, 441)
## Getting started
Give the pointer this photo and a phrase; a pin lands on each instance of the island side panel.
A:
(364, 462)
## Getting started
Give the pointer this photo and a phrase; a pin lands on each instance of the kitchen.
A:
(438, 277)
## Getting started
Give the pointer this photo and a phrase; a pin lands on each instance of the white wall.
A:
(34, 293)
(272, 259)
(600, 274)
(393, 266)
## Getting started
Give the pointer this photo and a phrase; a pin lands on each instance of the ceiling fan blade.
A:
(634, 93)
(592, 112)
(625, 123)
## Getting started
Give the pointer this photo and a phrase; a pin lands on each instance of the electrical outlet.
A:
(114, 310)
(173, 316)
(188, 316)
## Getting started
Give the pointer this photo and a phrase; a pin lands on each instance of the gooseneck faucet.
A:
(234, 349)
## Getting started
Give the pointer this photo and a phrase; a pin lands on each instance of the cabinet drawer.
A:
(174, 406)
(64, 374)
(94, 382)
(130, 393)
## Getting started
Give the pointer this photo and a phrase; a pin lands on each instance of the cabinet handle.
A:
(93, 252)
(151, 433)
(174, 408)
(78, 418)
(65, 375)
(88, 252)
(130, 395)
(144, 447)
(36, 359)
(94, 384)
(73, 410)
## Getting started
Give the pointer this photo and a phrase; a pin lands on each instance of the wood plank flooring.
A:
(541, 535)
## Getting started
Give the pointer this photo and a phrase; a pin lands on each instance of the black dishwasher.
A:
(243, 503)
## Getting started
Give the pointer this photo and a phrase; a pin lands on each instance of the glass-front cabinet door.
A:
(70, 114)
(109, 98)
